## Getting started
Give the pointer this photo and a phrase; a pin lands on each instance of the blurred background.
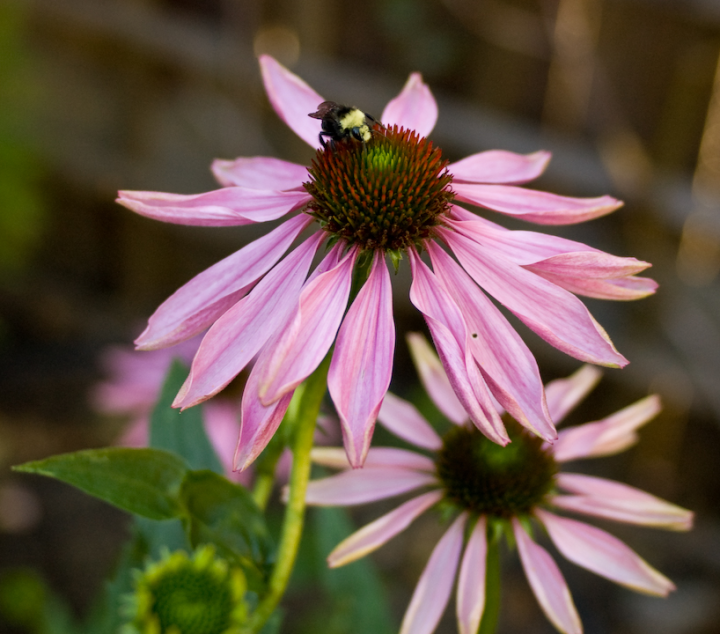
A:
(101, 95)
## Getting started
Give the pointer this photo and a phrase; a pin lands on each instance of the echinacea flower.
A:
(393, 195)
(484, 486)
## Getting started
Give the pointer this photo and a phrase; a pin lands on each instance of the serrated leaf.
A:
(141, 481)
(224, 514)
(181, 432)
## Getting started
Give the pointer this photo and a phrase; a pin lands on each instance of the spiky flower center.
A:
(484, 478)
(386, 194)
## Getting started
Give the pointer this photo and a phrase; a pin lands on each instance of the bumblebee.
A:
(342, 123)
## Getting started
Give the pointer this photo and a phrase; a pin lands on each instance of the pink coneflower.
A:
(488, 488)
(392, 195)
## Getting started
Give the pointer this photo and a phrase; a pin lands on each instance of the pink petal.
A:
(381, 531)
(470, 601)
(563, 395)
(535, 206)
(618, 289)
(506, 362)
(222, 426)
(499, 166)
(197, 304)
(361, 365)
(377, 457)
(547, 583)
(244, 329)
(436, 582)
(414, 108)
(402, 419)
(259, 172)
(588, 264)
(360, 486)
(258, 423)
(450, 335)
(292, 99)
(604, 555)
(553, 313)
(230, 206)
(608, 436)
(434, 379)
(310, 333)
(620, 502)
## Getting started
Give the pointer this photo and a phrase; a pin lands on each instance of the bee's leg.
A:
(322, 140)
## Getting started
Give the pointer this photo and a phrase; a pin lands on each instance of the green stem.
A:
(315, 388)
(262, 489)
(488, 625)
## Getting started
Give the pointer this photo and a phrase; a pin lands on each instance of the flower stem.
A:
(488, 625)
(262, 489)
(315, 388)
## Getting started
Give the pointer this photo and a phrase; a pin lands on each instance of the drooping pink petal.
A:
(553, 313)
(470, 602)
(434, 379)
(292, 99)
(608, 436)
(450, 335)
(563, 395)
(258, 423)
(499, 166)
(505, 361)
(230, 206)
(535, 206)
(377, 457)
(603, 554)
(436, 582)
(310, 333)
(241, 332)
(197, 304)
(622, 289)
(361, 365)
(547, 583)
(221, 419)
(360, 486)
(402, 419)
(259, 172)
(414, 108)
(620, 502)
(381, 531)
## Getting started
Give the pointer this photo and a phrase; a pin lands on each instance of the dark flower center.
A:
(386, 194)
(487, 479)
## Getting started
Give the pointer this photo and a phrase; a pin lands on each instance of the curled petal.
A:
(381, 531)
(258, 423)
(259, 172)
(434, 379)
(547, 583)
(197, 304)
(470, 602)
(499, 166)
(414, 108)
(505, 361)
(450, 335)
(620, 502)
(608, 436)
(435, 585)
(360, 486)
(377, 457)
(292, 99)
(603, 554)
(535, 206)
(553, 313)
(230, 206)
(243, 330)
(361, 366)
(308, 335)
(402, 419)
(563, 395)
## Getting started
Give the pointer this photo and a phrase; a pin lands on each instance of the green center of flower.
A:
(386, 194)
(484, 478)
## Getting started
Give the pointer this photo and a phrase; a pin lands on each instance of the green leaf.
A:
(222, 513)
(141, 481)
(181, 432)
